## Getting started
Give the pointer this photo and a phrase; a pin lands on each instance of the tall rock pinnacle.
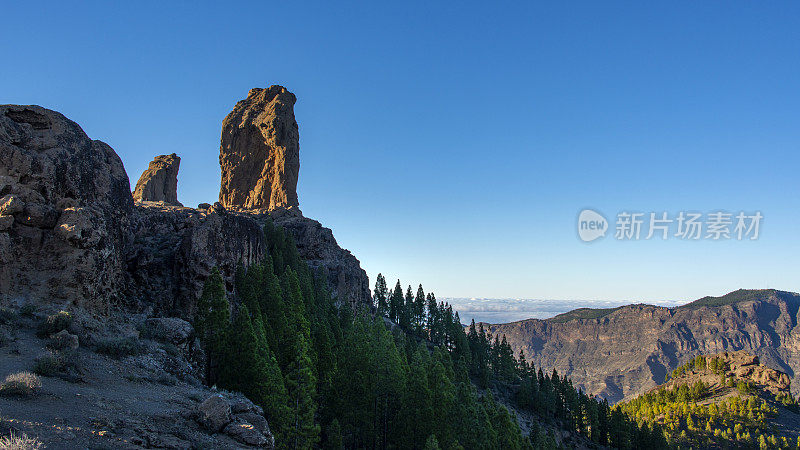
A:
(260, 152)
(159, 183)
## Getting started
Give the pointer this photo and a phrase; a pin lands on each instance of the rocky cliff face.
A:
(70, 233)
(65, 204)
(260, 161)
(159, 183)
(260, 151)
(317, 246)
(623, 352)
(175, 249)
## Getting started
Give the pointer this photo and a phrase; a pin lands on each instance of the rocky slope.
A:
(141, 395)
(621, 352)
(72, 238)
(725, 400)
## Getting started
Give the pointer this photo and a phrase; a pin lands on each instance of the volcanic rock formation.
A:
(70, 232)
(260, 152)
(159, 183)
(176, 248)
(621, 352)
(65, 203)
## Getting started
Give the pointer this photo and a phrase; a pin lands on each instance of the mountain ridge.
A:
(620, 352)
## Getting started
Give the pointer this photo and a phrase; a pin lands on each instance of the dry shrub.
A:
(21, 384)
(54, 323)
(19, 442)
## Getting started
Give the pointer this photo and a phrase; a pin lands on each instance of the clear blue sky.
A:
(453, 144)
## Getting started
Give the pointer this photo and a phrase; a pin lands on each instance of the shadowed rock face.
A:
(630, 349)
(70, 232)
(260, 152)
(176, 248)
(65, 202)
(159, 183)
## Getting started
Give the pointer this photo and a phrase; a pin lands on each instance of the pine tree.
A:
(302, 432)
(417, 411)
(419, 310)
(381, 296)
(212, 321)
(396, 303)
(433, 319)
(407, 311)
(431, 443)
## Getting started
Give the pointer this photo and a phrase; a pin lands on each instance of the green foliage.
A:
(381, 295)
(303, 431)
(212, 322)
(688, 420)
(331, 377)
(737, 296)
(48, 365)
(582, 313)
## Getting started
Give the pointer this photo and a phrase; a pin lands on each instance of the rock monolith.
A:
(159, 183)
(260, 152)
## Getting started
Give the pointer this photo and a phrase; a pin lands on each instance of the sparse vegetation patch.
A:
(120, 347)
(54, 323)
(22, 384)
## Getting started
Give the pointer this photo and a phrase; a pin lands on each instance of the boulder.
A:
(64, 340)
(159, 183)
(70, 201)
(168, 329)
(246, 433)
(260, 151)
(214, 413)
(6, 222)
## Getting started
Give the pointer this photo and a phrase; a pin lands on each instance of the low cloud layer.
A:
(494, 310)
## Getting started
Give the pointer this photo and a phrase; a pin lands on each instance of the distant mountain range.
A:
(503, 310)
(621, 351)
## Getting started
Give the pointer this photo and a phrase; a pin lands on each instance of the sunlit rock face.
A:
(621, 352)
(159, 183)
(260, 152)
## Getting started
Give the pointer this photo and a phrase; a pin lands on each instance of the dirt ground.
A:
(108, 403)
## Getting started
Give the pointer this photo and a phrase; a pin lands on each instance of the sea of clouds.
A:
(503, 310)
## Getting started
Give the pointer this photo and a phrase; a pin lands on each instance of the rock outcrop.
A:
(317, 246)
(65, 203)
(237, 417)
(176, 248)
(70, 231)
(159, 183)
(260, 152)
(623, 352)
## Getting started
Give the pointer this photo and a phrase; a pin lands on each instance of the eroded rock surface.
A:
(65, 203)
(260, 151)
(317, 246)
(176, 248)
(159, 183)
